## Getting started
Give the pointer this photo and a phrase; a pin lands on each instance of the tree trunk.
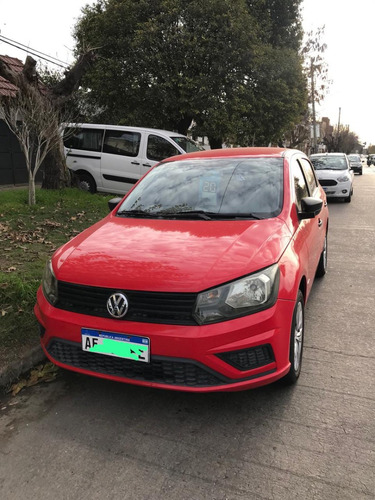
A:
(215, 142)
(184, 124)
(55, 171)
(32, 199)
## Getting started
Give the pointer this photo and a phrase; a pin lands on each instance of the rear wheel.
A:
(322, 265)
(87, 183)
(296, 341)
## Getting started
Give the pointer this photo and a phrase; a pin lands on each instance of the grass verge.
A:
(28, 237)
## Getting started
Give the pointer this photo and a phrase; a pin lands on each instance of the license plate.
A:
(116, 344)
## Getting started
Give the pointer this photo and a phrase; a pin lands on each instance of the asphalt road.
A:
(85, 438)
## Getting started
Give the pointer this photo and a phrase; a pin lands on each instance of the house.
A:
(12, 161)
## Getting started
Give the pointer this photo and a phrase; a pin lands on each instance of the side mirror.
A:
(311, 207)
(112, 204)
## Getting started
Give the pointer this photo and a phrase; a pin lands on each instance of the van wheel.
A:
(296, 341)
(87, 183)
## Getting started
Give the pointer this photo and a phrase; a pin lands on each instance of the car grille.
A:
(168, 371)
(148, 307)
(248, 359)
(327, 182)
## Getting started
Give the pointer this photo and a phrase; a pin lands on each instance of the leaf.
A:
(16, 388)
(46, 372)
(3, 313)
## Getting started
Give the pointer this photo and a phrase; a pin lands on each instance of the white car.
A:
(112, 158)
(334, 174)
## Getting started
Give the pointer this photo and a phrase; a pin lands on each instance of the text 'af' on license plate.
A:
(116, 344)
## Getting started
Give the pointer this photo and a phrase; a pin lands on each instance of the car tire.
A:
(348, 199)
(322, 265)
(360, 172)
(86, 182)
(296, 341)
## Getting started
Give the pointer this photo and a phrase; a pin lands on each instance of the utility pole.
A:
(338, 130)
(313, 105)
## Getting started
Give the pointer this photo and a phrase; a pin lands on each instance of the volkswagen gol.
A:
(197, 279)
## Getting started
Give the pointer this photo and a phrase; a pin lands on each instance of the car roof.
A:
(326, 154)
(236, 152)
(123, 127)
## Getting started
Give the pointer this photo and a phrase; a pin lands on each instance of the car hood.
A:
(330, 174)
(169, 255)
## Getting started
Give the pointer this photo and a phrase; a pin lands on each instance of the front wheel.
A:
(348, 199)
(87, 183)
(296, 341)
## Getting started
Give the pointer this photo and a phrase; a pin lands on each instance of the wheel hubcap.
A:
(84, 185)
(298, 337)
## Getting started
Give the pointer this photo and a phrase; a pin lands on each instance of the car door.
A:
(307, 228)
(319, 228)
(157, 149)
(83, 146)
(120, 165)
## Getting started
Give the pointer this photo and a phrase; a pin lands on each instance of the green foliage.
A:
(28, 237)
(168, 63)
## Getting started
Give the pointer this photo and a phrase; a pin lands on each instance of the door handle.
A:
(135, 163)
(147, 165)
(320, 222)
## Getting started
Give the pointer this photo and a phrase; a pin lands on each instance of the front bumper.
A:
(340, 190)
(233, 355)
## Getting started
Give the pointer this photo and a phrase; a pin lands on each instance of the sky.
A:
(46, 25)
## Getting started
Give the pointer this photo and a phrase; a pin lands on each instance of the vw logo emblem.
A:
(117, 305)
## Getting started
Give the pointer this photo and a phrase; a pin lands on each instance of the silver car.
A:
(334, 174)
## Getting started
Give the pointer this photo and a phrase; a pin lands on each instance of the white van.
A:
(112, 158)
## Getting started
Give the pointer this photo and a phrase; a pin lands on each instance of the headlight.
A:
(245, 296)
(344, 178)
(49, 284)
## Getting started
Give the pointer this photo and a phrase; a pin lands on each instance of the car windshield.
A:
(186, 144)
(329, 163)
(354, 158)
(216, 188)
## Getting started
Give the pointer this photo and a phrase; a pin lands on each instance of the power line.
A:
(34, 52)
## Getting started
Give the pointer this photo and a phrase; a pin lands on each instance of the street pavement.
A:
(85, 438)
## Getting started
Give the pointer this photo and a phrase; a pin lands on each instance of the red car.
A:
(197, 279)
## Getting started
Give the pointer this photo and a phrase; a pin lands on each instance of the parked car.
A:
(198, 278)
(355, 163)
(334, 174)
(113, 158)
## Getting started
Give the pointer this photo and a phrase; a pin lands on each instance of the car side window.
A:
(83, 138)
(300, 186)
(119, 142)
(159, 148)
(309, 175)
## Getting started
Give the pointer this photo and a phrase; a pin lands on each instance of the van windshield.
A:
(186, 144)
(329, 163)
(212, 188)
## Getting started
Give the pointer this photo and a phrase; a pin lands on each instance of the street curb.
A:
(10, 373)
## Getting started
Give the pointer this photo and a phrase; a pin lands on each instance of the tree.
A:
(343, 140)
(168, 63)
(316, 71)
(34, 115)
(34, 121)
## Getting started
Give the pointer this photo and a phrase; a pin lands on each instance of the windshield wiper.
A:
(135, 213)
(238, 216)
(210, 215)
(200, 214)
